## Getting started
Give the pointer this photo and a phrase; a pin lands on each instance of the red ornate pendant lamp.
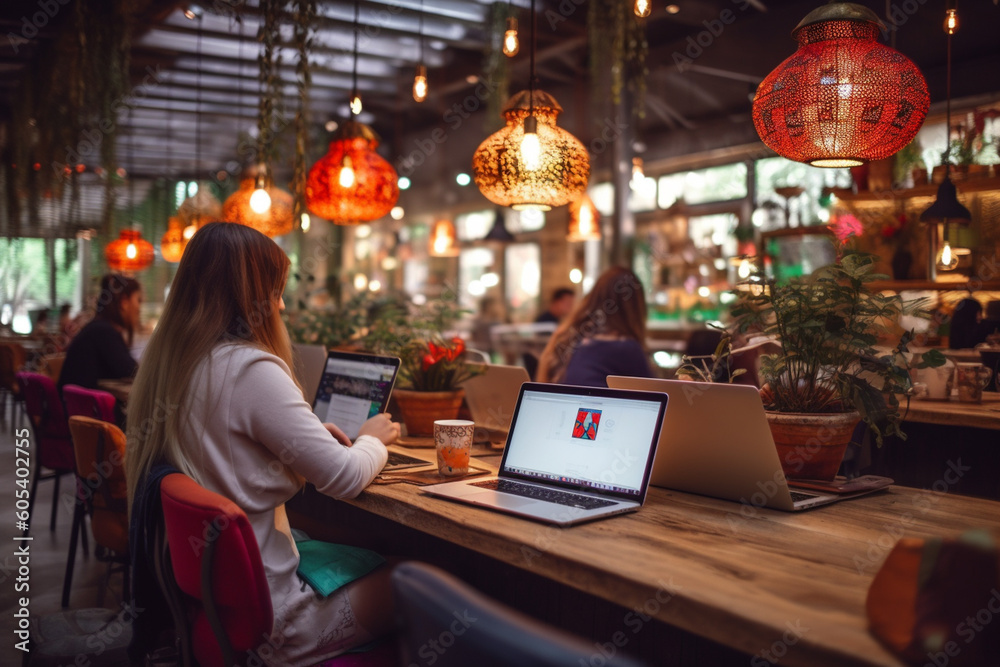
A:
(843, 98)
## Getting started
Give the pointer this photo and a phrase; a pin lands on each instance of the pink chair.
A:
(53, 445)
(82, 402)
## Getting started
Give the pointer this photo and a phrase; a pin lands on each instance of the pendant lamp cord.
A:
(354, 75)
(420, 32)
(947, 112)
(531, 81)
(197, 118)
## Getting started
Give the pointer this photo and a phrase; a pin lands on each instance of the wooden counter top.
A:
(739, 576)
(955, 413)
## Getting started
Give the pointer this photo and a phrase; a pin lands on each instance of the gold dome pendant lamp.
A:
(531, 163)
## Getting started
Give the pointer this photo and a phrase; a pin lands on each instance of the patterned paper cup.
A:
(453, 441)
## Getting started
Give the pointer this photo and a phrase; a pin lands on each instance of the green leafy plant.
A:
(828, 325)
(713, 367)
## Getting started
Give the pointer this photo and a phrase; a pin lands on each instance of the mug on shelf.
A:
(970, 379)
(933, 384)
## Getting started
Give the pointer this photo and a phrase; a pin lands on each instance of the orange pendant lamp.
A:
(584, 220)
(352, 183)
(842, 98)
(444, 239)
(129, 252)
(173, 242)
(274, 219)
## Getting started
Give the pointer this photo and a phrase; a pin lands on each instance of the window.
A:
(473, 264)
(779, 172)
(523, 279)
(702, 186)
(474, 226)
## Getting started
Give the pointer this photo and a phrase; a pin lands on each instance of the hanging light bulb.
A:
(947, 258)
(951, 21)
(744, 270)
(531, 150)
(189, 232)
(511, 44)
(638, 174)
(443, 239)
(583, 220)
(260, 201)
(420, 84)
(356, 106)
(130, 251)
(305, 222)
(642, 8)
(346, 178)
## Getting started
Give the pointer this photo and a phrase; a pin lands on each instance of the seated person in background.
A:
(989, 328)
(41, 328)
(965, 329)
(561, 305)
(220, 359)
(67, 325)
(605, 335)
(101, 350)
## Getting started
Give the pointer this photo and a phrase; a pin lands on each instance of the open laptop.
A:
(492, 397)
(573, 454)
(716, 442)
(307, 363)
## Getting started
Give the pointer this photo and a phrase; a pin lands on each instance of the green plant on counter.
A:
(714, 367)
(906, 160)
(828, 325)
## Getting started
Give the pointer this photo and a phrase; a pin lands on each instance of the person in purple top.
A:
(605, 335)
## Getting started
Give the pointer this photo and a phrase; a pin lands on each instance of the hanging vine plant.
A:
(269, 79)
(495, 65)
(305, 18)
(617, 38)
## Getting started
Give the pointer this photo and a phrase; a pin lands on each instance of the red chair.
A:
(101, 493)
(89, 403)
(53, 445)
(218, 593)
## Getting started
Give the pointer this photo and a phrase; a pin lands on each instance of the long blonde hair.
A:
(226, 289)
(616, 305)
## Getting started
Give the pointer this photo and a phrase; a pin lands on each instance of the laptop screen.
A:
(594, 439)
(354, 387)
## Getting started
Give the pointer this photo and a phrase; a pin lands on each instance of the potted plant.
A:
(830, 374)
(428, 387)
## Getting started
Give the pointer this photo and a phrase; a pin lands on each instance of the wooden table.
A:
(955, 413)
(755, 580)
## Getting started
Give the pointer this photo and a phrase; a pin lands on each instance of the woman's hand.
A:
(382, 427)
(338, 434)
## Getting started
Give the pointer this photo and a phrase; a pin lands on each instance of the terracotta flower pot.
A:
(811, 446)
(420, 409)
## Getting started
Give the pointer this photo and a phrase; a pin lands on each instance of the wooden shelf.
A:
(965, 186)
(899, 285)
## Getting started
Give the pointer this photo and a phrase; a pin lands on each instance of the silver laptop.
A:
(307, 364)
(573, 454)
(492, 397)
(716, 442)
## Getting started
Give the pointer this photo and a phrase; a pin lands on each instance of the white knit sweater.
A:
(252, 438)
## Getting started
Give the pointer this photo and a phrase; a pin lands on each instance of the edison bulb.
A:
(642, 8)
(356, 104)
(306, 222)
(420, 84)
(189, 232)
(260, 201)
(531, 150)
(346, 178)
(130, 251)
(947, 259)
(951, 21)
(587, 226)
(743, 272)
(511, 44)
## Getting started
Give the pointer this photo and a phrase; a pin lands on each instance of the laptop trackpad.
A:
(494, 499)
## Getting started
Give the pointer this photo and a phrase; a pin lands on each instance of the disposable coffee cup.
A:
(453, 442)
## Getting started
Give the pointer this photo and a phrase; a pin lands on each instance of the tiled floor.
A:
(48, 551)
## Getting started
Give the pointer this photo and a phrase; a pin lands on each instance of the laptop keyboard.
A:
(798, 497)
(541, 493)
(396, 459)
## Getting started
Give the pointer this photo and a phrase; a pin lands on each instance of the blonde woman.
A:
(215, 398)
(604, 335)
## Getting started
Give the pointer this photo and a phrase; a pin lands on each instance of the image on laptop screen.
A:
(354, 387)
(594, 442)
